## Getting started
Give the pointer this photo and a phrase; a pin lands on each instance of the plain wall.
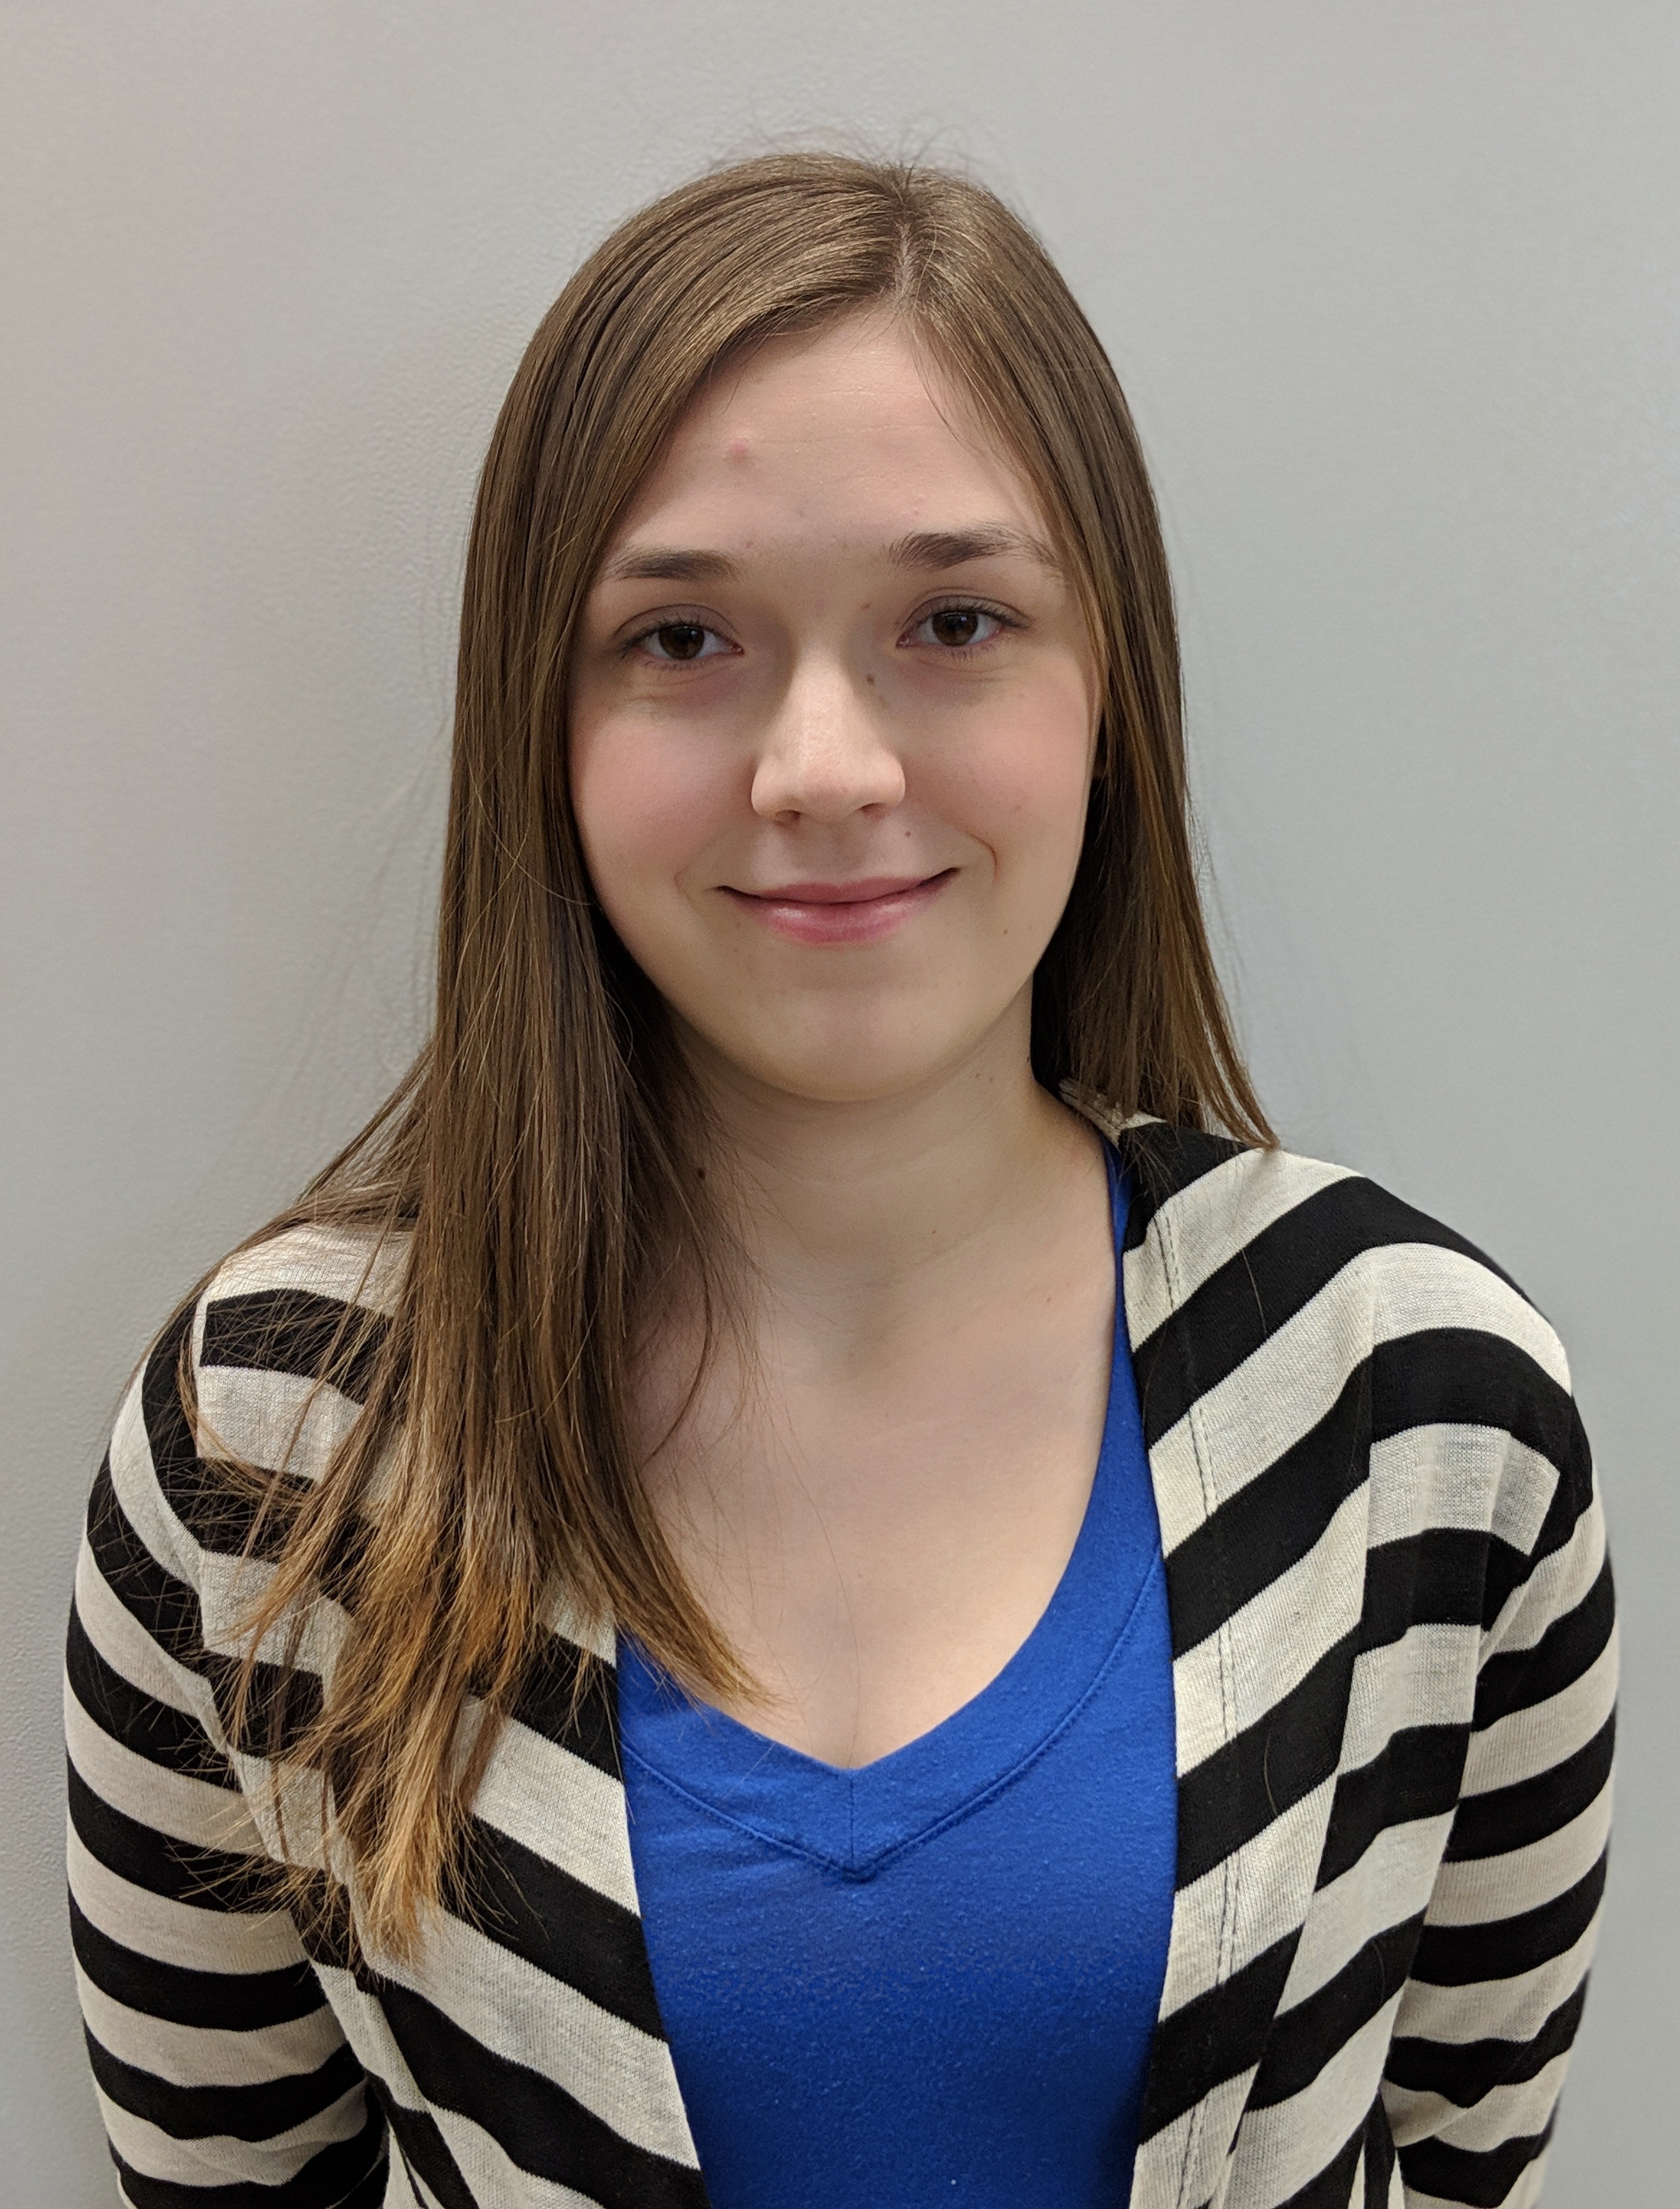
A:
(1396, 291)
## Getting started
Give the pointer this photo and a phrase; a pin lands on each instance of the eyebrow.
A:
(663, 563)
(928, 549)
(934, 549)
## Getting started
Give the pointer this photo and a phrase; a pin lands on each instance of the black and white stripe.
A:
(1394, 1677)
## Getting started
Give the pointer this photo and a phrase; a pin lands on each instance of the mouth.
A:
(859, 911)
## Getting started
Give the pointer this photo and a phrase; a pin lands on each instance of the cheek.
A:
(1024, 787)
(646, 808)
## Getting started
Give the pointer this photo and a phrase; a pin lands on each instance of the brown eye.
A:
(956, 625)
(680, 640)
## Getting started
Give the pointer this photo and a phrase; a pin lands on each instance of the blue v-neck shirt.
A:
(933, 1978)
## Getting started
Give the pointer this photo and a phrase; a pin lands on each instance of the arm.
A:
(1491, 2011)
(219, 2065)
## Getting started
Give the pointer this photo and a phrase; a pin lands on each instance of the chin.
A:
(848, 1065)
(862, 1048)
(841, 1084)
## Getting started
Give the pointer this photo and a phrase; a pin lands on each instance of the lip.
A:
(860, 911)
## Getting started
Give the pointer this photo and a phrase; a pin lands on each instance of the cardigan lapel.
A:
(1255, 1777)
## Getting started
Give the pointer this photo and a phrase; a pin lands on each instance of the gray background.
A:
(1395, 291)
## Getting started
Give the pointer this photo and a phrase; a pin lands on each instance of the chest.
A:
(879, 1532)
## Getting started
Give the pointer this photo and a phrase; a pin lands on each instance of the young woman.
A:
(813, 1574)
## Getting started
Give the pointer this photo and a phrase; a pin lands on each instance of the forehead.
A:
(855, 428)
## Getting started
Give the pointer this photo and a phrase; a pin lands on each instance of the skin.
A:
(829, 646)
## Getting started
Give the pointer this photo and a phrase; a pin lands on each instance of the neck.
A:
(846, 1209)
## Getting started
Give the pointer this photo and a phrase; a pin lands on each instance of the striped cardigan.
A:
(1393, 1671)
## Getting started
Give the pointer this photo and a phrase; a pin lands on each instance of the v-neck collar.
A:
(857, 1819)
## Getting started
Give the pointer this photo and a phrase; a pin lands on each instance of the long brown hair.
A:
(538, 1157)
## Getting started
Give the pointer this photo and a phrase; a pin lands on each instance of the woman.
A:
(813, 1573)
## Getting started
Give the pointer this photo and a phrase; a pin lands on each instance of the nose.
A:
(825, 755)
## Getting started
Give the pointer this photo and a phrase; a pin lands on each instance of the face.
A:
(832, 727)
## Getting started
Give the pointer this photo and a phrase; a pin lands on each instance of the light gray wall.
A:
(1396, 290)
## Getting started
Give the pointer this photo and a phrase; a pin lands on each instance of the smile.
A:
(841, 913)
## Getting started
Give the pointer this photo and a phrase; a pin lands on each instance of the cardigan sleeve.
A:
(1490, 2012)
(220, 2069)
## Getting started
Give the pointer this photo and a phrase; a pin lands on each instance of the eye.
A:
(956, 629)
(678, 641)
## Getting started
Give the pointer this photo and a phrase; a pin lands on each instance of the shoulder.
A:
(264, 1368)
(1262, 1241)
(1287, 1302)
(1307, 1322)
(283, 1341)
